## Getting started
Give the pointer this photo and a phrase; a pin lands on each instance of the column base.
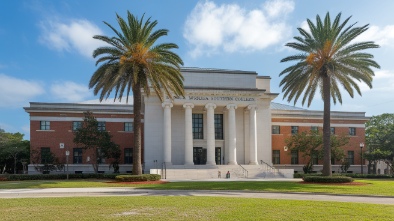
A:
(211, 163)
(253, 163)
(232, 163)
(189, 164)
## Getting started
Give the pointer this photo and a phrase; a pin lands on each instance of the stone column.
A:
(188, 134)
(167, 132)
(210, 107)
(252, 135)
(232, 146)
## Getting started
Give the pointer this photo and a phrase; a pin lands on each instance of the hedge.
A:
(353, 175)
(13, 177)
(328, 179)
(370, 176)
(138, 178)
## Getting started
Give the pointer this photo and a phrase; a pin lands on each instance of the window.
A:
(315, 157)
(350, 157)
(128, 155)
(45, 125)
(46, 156)
(332, 130)
(77, 155)
(314, 128)
(128, 126)
(77, 125)
(100, 156)
(275, 129)
(198, 126)
(352, 131)
(294, 157)
(219, 126)
(276, 156)
(101, 126)
(294, 129)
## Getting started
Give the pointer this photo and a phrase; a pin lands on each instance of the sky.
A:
(46, 46)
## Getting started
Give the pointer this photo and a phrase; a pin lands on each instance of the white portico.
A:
(224, 119)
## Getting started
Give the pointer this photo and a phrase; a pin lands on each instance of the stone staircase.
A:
(199, 172)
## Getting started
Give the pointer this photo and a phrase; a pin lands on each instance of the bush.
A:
(138, 178)
(370, 176)
(328, 179)
(298, 175)
(308, 168)
(62, 176)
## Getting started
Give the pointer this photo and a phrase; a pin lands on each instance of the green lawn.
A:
(372, 187)
(187, 208)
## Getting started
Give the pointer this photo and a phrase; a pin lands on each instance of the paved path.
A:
(119, 191)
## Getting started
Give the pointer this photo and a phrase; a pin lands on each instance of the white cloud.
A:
(15, 92)
(277, 8)
(211, 28)
(74, 35)
(383, 36)
(70, 91)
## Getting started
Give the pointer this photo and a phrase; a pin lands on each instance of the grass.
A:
(372, 187)
(187, 208)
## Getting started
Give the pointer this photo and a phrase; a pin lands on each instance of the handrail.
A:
(164, 170)
(245, 171)
(262, 162)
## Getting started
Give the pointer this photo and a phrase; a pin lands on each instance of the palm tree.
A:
(132, 61)
(329, 58)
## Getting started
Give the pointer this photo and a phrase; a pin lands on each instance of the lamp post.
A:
(361, 147)
(67, 154)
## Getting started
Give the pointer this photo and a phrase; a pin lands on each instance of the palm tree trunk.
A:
(137, 167)
(326, 125)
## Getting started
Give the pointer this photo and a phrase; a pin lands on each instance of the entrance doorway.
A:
(199, 156)
(218, 155)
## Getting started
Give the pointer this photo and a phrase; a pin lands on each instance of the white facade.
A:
(242, 98)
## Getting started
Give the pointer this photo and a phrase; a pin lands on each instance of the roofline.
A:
(224, 89)
(214, 70)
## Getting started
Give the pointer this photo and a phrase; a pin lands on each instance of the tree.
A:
(97, 141)
(132, 61)
(380, 140)
(310, 145)
(12, 149)
(329, 58)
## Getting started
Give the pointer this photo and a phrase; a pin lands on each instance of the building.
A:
(226, 118)
(287, 120)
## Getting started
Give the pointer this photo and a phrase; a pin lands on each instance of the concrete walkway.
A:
(122, 191)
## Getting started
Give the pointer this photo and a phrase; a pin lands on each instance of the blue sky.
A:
(46, 46)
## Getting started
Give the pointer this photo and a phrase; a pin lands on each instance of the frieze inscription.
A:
(216, 98)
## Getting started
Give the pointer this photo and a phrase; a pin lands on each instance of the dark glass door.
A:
(199, 156)
(218, 155)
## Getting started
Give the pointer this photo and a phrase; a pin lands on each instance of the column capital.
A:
(252, 106)
(188, 105)
(210, 105)
(167, 104)
(231, 106)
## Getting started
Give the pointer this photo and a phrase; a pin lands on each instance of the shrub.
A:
(308, 168)
(138, 178)
(328, 179)
(61, 176)
(298, 175)
(370, 176)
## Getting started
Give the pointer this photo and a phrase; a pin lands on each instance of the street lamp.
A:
(361, 147)
(67, 154)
